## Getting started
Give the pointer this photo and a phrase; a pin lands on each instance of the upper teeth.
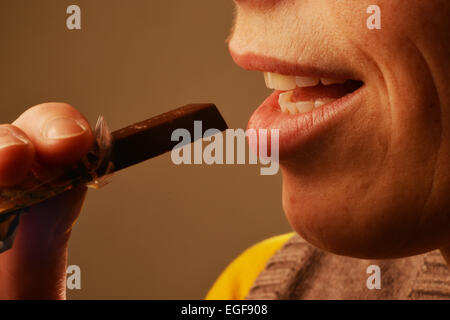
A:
(279, 82)
(306, 81)
(282, 82)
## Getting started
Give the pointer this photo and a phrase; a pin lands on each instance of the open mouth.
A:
(309, 99)
(298, 94)
(303, 108)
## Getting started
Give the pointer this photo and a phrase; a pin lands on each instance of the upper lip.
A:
(256, 62)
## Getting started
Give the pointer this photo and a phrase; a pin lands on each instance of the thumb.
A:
(35, 268)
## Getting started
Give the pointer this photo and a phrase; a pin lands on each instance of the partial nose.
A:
(260, 4)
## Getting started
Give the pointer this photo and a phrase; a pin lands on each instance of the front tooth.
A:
(287, 106)
(291, 107)
(304, 106)
(284, 99)
(320, 102)
(329, 81)
(279, 81)
(267, 80)
(306, 81)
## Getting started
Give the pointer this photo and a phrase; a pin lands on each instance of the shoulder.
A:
(236, 280)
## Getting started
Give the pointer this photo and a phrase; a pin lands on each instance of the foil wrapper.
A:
(45, 182)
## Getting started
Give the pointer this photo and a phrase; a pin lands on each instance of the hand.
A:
(54, 134)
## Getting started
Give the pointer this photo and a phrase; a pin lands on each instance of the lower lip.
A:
(299, 129)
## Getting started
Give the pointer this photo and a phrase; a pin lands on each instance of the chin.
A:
(338, 225)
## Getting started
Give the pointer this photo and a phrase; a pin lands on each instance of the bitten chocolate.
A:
(152, 137)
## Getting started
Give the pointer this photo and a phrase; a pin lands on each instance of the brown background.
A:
(159, 231)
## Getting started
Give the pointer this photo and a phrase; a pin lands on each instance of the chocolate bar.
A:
(110, 153)
(152, 137)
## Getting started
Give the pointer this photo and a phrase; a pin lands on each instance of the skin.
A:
(35, 268)
(374, 186)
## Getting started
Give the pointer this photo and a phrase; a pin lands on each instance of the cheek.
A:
(363, 190)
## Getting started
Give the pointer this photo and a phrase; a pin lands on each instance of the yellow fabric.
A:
(235, 282)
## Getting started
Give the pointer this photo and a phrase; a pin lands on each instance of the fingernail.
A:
(9, 138)
(62, 128)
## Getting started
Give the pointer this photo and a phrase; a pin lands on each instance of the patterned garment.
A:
(300, 271)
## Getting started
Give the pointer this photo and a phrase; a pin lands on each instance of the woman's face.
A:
(366, 164)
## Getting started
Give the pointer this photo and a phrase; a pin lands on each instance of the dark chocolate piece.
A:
(152, 137)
